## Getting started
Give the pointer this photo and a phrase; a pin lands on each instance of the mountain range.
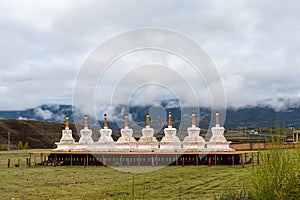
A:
(245, 117)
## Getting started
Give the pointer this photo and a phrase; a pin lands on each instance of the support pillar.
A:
(55, 161)
(139, 160)
(41, 157)
(152, 161)
(104, 161)
(293, 137)
(215, 159)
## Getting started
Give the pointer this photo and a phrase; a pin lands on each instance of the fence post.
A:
(243, 161)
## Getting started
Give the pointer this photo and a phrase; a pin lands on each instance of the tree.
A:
(26, 145)
(277, 126)
(271, 131)
(3, 147)
(20, 145)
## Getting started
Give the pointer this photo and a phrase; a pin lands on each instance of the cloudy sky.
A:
(254, 45)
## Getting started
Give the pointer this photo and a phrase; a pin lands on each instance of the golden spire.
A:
(105, 121)
(193, 120)
(147, 120)
(170, 120)
(67, 122)
(217, 119)
(126, 121)
(86, 126)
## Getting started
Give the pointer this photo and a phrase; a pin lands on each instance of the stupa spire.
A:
(193, 120)
(105, 124)
(67, 122)
(86, 125)
(170, 120)
(217, 119)
(126, 121)
(147, 120)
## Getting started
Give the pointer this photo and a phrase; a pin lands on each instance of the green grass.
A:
(76, 182)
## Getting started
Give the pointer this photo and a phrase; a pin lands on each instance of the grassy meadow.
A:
(172, 182)
(77, 182)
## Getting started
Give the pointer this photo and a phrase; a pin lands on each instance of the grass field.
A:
(65, 182)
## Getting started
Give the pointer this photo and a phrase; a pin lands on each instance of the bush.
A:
(20, 145)
(26, 145)
(3, 147)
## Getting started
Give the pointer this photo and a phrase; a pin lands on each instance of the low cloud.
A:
(44, 114)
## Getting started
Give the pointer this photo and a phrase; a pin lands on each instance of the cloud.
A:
(44, 114)
(254, 45)
(22, 118)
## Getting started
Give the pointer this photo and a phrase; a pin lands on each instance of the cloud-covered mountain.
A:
(251, 116)
(53, 113)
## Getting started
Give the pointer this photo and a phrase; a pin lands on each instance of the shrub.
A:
(3, 147)
(26, 145)
(20, 145)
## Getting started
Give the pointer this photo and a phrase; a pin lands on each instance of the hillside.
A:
(37, 134)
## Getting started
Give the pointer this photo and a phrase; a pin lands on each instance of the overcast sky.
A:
(254, 45)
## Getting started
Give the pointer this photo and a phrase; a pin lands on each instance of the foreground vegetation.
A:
(278, 175)
(269, 180)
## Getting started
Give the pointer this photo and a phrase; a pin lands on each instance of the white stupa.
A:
(67, 142)
(218, 141)
(126, 142)
(170, 142)
(85, 142)
(105, 142)
(86, 133)
(193, 142)
(147, 142)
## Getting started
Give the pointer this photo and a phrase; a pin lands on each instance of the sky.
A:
(253, 44)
